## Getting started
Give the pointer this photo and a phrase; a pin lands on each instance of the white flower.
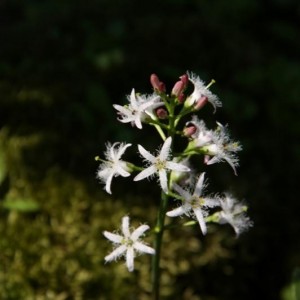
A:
(127, 244)
(202, 136)
(194, 204)
(216, 145)
(140, 107)
(200, 90)
(223, 149)
(113, 166)
(233, 213)
(160, 164)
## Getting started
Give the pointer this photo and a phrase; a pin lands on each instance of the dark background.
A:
(62, 66)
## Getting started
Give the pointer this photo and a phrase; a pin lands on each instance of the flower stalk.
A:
(157, 244)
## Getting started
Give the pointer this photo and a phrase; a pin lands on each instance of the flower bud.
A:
(178, 88)
(206, 159)
(189, 130)
(161, 113)
(181, 98)
(201, 102)
(157, 85)
(185, 80)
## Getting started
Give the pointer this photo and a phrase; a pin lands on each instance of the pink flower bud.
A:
(162, 87)
(181, 98)
(161, 113)
(185, 80)
(206, 159)
(157, 85)
(178, 88)
(189, 130)
(201, 102)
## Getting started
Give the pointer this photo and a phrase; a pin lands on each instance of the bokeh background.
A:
(62, 66)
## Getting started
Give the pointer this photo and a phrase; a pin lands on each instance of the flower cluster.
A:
(177, 178)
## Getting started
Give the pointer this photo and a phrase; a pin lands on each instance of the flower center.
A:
(196, 201)
(127, 241)
(160, 164)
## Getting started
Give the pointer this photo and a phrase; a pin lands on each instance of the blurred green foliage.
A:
(62, 65)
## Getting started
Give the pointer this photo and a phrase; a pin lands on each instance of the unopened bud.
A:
(201, 102)
(206, 159)
(161, 113)
(189, 130)
(181, 98)
(157, 84)
(185, 80)
(178, 88)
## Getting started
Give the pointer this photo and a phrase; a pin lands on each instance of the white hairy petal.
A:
(138, 232)
(108, 183)
(165, 150)
(163, 180)
(199, 216)
(182, 192)
(115, 238)
(176, 212)
(130, 259)
(145, 173)
(121, 150)
(115, 254)
(146, 154)
(143, 248)
(199, 185)
(125, 226)
(122, 172)
(176, 166)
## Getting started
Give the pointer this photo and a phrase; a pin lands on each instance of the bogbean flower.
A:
(113, 166)
(127, 244)
(201, 94)
(160, 164)
(233, 213)
(140, 108)
(216, 145)
(194, 204)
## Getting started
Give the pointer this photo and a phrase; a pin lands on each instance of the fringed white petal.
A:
(182, 192)
(115, 238)
(199, 185)
(199, 216)
(138, 232)
(143, 248)
(145, 173)
(130, 259)
(115, 254)
(146, 154)
(163, 180)
(165, 150)
(177, 167)
(176, 212)
(125, 226)
(108, 183)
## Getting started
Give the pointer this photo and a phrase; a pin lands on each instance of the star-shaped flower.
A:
(200, 92)
(127, 244)
(194, 204)
(233, 213)
(140, 107)
(216, 145)
(113, 166)
(222, 148)
(160, 164)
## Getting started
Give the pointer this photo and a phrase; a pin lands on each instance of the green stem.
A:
(160, 131)
(159, 230)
